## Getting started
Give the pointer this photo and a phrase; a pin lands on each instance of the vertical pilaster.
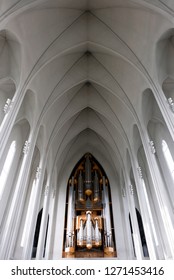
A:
(129, 246)
(9, 119)
(43, 226)
(48, 250)
(162, 203)
(59, 220)
(135, 227)
(11, 226)
(27, 250)
(51, 228)
(147, 221)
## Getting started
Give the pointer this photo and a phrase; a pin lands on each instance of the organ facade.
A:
(89, 224)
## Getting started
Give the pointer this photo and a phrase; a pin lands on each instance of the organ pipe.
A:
(96, 187)
(81, 233)
(88, 185)
(97, 233)
(89, 230)
(85, 233)
(89, 221)
(80, 187)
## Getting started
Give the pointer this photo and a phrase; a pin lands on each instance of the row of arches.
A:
(11, 56)
(46, 125)
(161, 148)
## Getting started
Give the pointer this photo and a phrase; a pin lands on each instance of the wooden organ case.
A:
(89, 228)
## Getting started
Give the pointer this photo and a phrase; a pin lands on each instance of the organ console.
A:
(89, 225)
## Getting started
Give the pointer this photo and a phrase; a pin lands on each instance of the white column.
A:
(163, 207)
(10, 229)
(135, 227)
(9, 119)
(146, 218)
(43, 226)
(48, 249)
(51, 228)
(70, 215)
(28, 246)
(129, 250)
(60, 207)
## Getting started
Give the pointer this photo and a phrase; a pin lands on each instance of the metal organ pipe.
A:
(84, 232)
(89, 230)
(93, 232)
(80, 187)
(96, 187)
(88, 185)
(97, 233)
(81, 233)
(87, 169)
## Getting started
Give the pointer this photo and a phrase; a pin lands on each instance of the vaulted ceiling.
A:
(80, 68)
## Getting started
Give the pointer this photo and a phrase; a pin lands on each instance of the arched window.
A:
(130, 223)
(142, 234)
(168, 157)
(7, 166)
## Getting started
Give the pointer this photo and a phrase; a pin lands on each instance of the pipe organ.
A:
(89, 228)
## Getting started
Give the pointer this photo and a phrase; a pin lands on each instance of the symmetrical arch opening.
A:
(89, 229)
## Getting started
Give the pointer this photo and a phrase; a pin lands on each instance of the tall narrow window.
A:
(7, 166)
(36, 235)
(130, 223)
(142, 234)
(45, 244)
(168, 157)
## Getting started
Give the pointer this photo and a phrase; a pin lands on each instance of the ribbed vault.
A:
(85, 73)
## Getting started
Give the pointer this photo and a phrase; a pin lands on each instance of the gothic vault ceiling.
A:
(80, 68)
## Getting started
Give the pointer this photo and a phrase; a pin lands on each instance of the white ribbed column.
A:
(135, 227)
(52, 205)
(43, 226)
(146, 218)
(48, 249)
(128, 242)
(9, 119)
(11, 226)
(27, 250)
(162, 204)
